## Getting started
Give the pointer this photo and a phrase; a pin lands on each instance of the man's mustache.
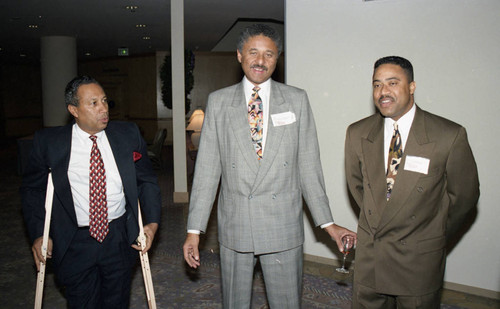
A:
(258, 66)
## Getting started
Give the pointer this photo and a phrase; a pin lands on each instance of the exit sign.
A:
(122, 51)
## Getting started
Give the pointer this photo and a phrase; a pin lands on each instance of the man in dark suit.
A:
(408, 213)
(93, 229)
(261, 145)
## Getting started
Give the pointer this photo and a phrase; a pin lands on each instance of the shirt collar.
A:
(404, 123)
(264, 87)
(84, 135)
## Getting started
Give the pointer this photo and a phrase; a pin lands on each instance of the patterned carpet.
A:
(176, 286)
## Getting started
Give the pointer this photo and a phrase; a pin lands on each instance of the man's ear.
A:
(413, 86)
(73, 110)
(238, 55)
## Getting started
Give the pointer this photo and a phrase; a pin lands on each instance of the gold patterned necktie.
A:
(255, 119)
(395, 155)
(98, 223)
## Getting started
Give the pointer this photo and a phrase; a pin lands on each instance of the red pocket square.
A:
(137, 156)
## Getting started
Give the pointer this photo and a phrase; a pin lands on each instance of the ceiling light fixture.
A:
(146, 38)
(140, 26)
(33, 26)
(131, 8)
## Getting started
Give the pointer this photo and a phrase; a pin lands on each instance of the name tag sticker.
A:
(283, 119)
(417, 164)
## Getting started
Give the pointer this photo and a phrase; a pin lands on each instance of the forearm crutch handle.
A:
(45, 241)
(146, 270)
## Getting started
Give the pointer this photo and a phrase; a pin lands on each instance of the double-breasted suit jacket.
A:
(260, 202)
(401, 247)
(51, 151)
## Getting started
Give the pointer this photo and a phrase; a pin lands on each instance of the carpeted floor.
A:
(176, 286)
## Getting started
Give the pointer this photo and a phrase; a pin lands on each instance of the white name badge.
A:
(283, 119)
(417, 164)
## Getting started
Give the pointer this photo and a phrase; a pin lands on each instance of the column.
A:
(178, 107)
(58, 59)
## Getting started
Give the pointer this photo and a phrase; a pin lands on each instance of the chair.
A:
(154, 150)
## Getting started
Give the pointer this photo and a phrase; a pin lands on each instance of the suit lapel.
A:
(373, 150)
(123, 158)
(62, 188)
(274, 134)
(417, 145)
(239, 124)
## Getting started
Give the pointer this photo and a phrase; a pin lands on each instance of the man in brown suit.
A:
(405, 222)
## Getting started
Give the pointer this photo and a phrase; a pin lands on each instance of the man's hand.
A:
(190, 248)
(149, 232)
(37, 251)
(336, 232)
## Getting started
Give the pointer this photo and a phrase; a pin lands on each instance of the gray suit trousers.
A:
(282, 276)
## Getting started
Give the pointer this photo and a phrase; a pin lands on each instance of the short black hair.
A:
(70, 96)
(260, 29)
(402, 62)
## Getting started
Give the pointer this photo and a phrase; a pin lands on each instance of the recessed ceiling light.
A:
(88, 54)
(140, 26)
(146, 38)
(33, 26)
(131, 8)
(22, 55)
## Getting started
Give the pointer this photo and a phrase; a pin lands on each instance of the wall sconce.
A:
(195, 124)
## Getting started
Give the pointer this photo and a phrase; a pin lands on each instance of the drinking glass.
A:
(348, 244)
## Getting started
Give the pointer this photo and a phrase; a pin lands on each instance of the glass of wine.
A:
(348, 243)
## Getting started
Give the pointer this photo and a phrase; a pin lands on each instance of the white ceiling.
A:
(102, 26)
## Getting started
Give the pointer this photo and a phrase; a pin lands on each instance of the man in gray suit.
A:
(266, 157)
(408, 214)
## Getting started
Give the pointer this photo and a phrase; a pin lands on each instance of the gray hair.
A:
(260, 29)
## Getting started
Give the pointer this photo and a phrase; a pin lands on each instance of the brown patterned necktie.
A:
(255, 119)
(395, 155)
(98, 224)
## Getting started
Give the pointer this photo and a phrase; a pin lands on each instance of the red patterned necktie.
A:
(98, 225)
(395, 155)
(255, 119)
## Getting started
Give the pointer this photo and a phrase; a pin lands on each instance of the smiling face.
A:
(258, 58)
(91, 114)
(392, 91)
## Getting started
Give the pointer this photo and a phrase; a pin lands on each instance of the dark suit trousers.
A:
(98, 275)
(366, 298)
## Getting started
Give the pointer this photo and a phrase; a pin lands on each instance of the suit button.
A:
(369, 186)
(274, 196)
(403, 242)
(370, 212)
(233, 166)
(285, 164)
(420, 189)
(250, 197)
(413, 217)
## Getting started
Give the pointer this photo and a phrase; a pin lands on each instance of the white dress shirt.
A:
(78, 174)
(404, 126)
